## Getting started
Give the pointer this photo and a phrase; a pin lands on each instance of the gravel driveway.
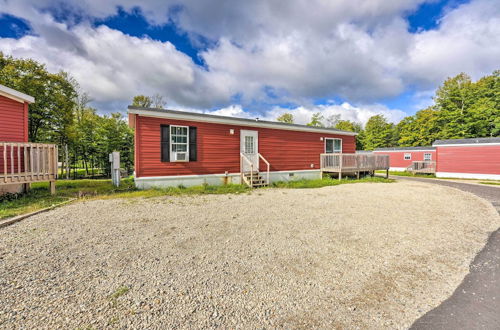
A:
(351, 256)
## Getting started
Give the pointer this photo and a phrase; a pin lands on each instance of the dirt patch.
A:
(364, 255)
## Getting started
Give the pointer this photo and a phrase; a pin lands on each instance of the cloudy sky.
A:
(259, 58)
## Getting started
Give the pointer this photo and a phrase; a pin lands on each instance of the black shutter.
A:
(192, 144)
(165, 143)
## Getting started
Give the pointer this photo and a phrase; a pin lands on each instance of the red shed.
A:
(402, 157)
(468, 158)
(184, 148)
(21, 163)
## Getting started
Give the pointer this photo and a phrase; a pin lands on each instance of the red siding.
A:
(13, 120)
(469, 159)
(13, 128)
(397, 158)
(219, 151)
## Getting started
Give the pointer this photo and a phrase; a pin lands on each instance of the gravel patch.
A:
(350, 256)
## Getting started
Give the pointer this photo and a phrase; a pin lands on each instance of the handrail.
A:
(22, 162)
(245, 158)
(268, 166)
(353, 162)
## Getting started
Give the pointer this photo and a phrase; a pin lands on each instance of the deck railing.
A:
(27, 162)
(426, 166)
(248, 176)
(354, 162)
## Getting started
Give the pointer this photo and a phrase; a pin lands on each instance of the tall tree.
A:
(286, 118)
(332, 120)
(350, 126)
(422, 129)
(51, 115)
(316, 120)
(142, 101)
(158, 101)
(378, 133)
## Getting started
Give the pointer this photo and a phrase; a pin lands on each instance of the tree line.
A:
(462, 109)
(61, 115)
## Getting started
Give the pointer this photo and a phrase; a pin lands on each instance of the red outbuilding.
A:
(21, 163)
(402, 158)
(184, 148)
(468, 158)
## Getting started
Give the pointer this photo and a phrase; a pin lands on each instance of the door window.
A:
(249, 145)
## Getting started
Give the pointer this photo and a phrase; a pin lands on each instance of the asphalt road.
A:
(475, 304)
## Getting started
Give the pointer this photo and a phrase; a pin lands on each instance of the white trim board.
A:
(233, 121)
(468, 175)
(15, 95)
(467, 144)
(397, 169)
(405, 150)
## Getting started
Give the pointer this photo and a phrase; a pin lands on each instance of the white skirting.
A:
(480, 176)
(397, 169)
(219, 179)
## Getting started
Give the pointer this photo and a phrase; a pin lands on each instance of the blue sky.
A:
(353, 58)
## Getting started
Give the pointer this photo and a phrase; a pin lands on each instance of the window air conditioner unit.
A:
(180, 156)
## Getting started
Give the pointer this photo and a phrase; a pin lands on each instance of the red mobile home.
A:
(177, 147)
(21, 162)
(468, 158)
(403, 157)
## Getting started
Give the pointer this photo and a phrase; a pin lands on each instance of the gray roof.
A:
(405, 148)
(255, 122)
(468, 141)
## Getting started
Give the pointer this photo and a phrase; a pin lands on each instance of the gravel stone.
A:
(351, 256)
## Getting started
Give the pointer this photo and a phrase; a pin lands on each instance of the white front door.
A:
(249, 147)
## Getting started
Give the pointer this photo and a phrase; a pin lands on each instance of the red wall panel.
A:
(397, 158)
(13, 121)
(219, 151)
(469, 159)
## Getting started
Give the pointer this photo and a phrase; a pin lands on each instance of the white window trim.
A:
(171, 142)
(407, 154)
(430, 156)
(341, 144)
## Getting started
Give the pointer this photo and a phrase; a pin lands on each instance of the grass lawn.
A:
(495, 183)
(39, 197)
(407, 174)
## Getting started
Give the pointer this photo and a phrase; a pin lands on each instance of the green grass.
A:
(407, 174)
(490, 182)
(298, 184)
(39, 197)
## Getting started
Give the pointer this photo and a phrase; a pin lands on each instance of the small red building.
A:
(183, 148)
(21, 163)
(402, 157)
(468, 158)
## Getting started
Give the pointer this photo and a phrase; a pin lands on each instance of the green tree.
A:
(422, 129)
(286, 118)
(142, 101)
(378, 133)
(350, 126)
(316, 120)
(51, 116)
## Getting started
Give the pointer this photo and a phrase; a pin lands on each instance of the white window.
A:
(427, 156)
(249, 145)
(179, 143)
(333, 146)
(407, 156)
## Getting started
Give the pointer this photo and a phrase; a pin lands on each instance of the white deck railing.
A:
(253, 171)
(419, 166)
(353, 162)
(27, 162)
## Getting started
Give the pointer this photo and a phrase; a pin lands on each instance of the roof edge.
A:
(194, 116)
(15, 95)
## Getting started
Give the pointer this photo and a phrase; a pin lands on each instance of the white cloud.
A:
(292, 52)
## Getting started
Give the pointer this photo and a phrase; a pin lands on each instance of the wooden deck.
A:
(354, 163)
(23, 163)
(427, 167)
